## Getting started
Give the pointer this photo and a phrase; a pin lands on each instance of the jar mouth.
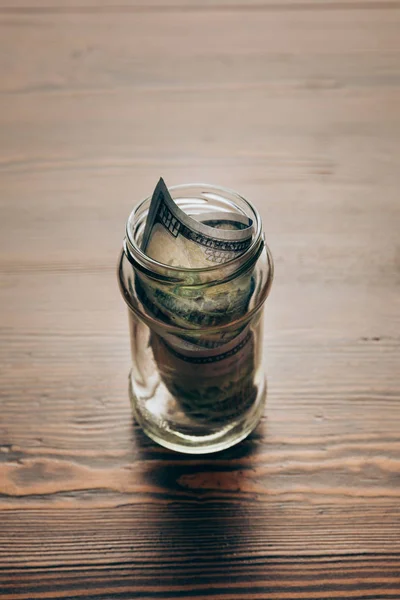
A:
(198, 196)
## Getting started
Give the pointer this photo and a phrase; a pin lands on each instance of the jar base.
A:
(188, 440)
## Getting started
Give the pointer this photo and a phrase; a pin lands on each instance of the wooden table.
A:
(297, 106)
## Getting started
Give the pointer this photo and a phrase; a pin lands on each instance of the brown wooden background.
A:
(295, 104)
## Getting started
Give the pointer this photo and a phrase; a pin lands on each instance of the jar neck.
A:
(127, 284)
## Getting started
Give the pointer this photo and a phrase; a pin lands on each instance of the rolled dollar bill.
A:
(211, 375)
(175, 238)
(210, 385)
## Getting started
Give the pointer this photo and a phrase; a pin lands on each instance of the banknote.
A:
(196, 308)
(175, 238)
(210, 385)
(210, 374)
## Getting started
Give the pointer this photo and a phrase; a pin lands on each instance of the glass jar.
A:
(197, 382)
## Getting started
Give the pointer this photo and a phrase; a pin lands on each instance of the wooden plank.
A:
(342, 117)
(126, 6)
(93, 53)
(323, 579)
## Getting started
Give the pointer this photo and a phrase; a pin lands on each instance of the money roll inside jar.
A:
(195, 272)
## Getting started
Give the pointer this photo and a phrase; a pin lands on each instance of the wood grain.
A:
(179, 6)
(297, 106)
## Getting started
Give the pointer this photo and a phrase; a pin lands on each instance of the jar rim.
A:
(157, 268)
